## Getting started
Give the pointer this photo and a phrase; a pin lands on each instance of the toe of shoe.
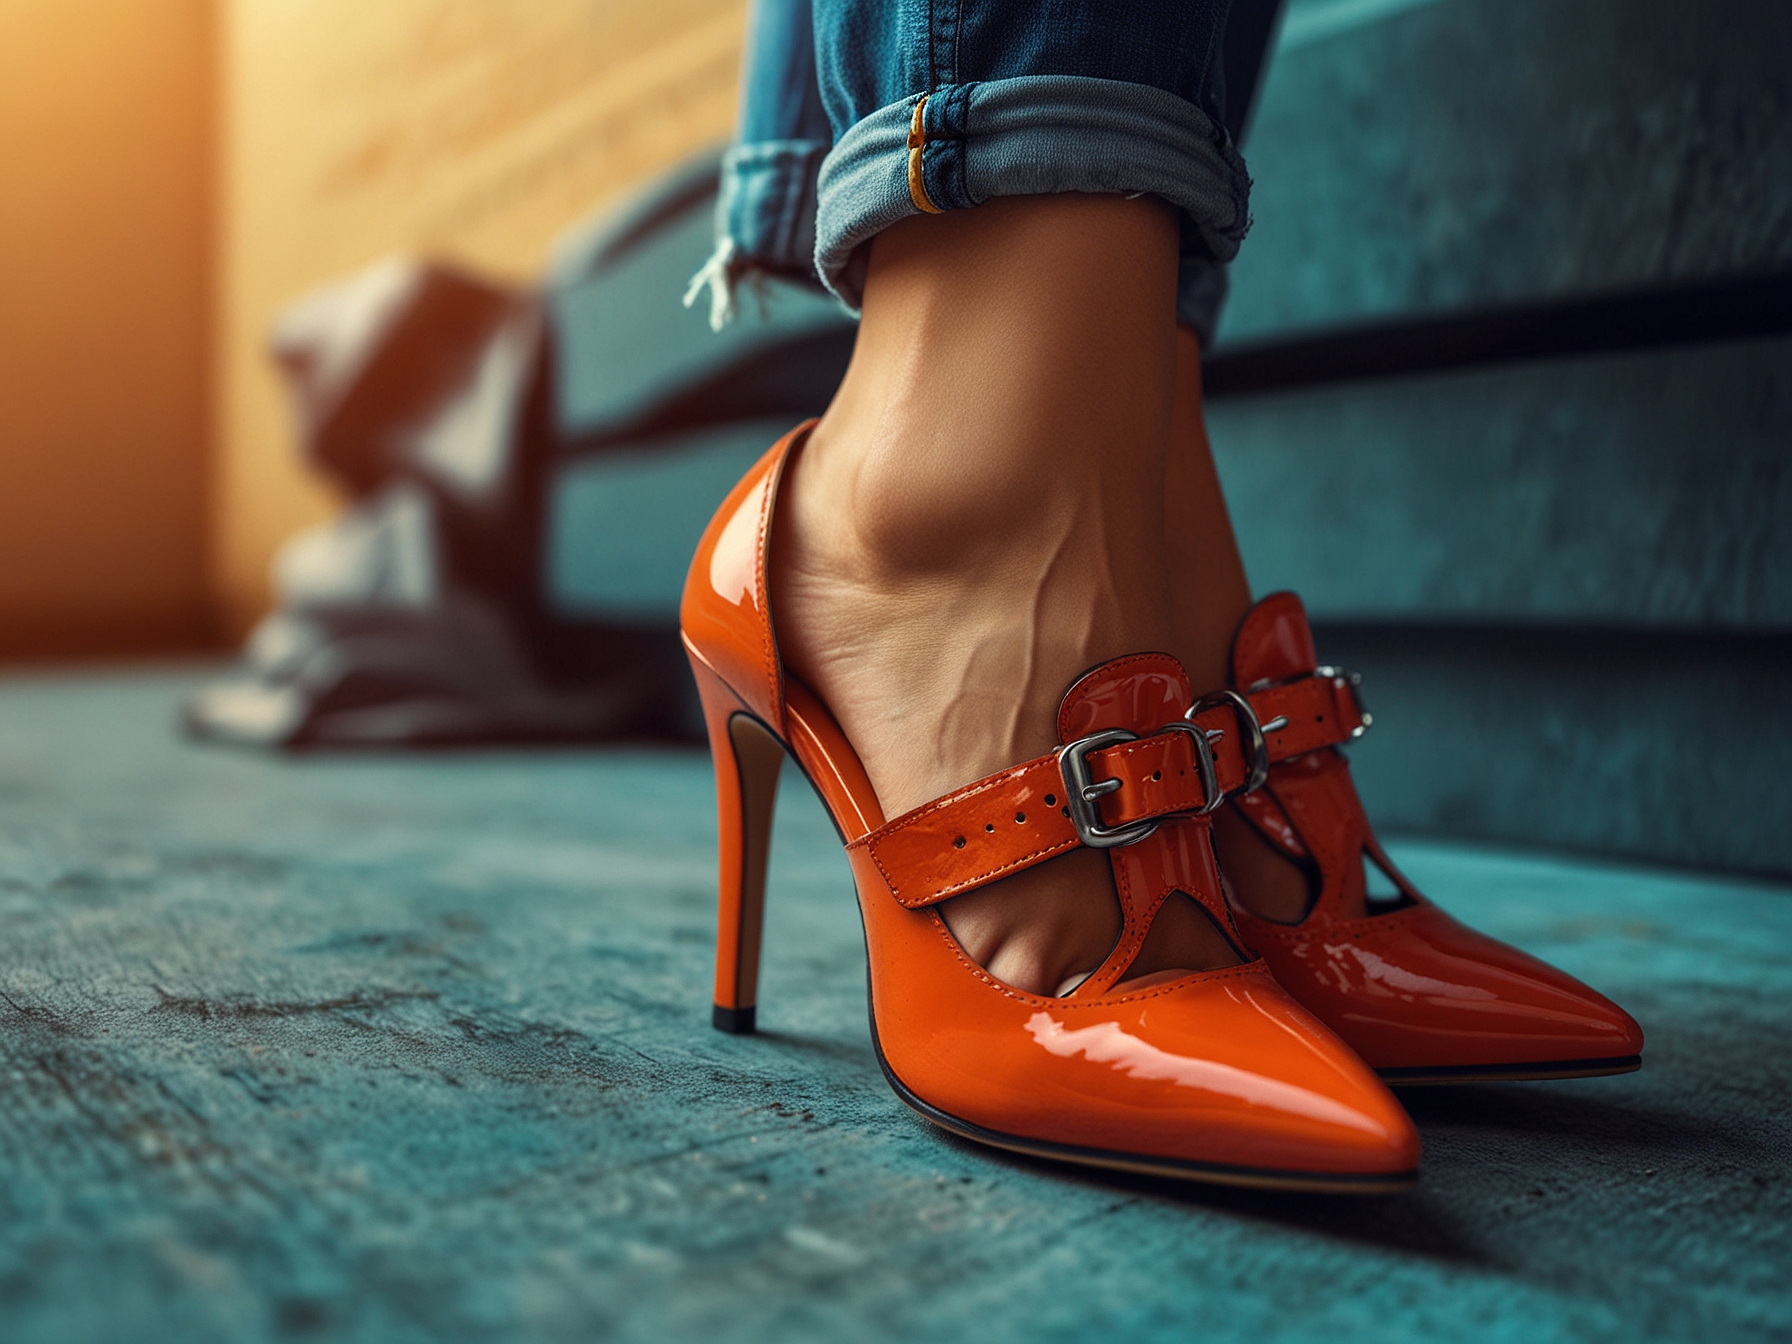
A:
(1594, 1026)
(1238, 1074)
(1540, 1013)
(1458, 997)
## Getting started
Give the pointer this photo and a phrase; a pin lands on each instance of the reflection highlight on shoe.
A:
(1109, 1043)
(1402, 982)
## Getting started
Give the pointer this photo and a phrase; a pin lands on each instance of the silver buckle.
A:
(1256, 749)
(1352, 682)
(1082, 792)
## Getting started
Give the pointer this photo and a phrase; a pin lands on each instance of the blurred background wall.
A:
(469, 129)
(107, 158)
(172, 172)
(1504, 388)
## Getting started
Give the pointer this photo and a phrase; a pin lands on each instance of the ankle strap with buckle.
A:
(1108, 789)
(1322, 709)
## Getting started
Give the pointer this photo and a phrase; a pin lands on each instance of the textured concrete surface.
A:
(416, 1048)
(1642, 489)
(1452, 156)
(1650, 744)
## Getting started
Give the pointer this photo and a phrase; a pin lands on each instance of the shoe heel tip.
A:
(734, 1021)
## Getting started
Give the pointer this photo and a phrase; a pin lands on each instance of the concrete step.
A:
(1466, 154)
(1662, 745)
(1648, 488)
(1508, 358)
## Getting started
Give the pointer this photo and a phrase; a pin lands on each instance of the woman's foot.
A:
(978, 519)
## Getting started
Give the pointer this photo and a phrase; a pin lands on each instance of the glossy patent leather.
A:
(1420, 996)
(1217, 1075)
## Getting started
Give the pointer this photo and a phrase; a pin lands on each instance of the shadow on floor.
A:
(1411, 1222)
(1581, 1134)
(1614, 1128)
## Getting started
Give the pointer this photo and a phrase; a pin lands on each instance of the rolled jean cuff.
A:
(766, 206)
(1033, 135)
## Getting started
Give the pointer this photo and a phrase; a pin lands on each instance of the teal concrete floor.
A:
(416, 1048)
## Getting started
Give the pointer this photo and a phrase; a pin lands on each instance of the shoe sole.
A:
(1447, 1075)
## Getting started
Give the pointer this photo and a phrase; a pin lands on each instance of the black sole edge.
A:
(735, 1021)
(1447, 1075)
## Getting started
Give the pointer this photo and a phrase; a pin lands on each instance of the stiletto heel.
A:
(747, 760)
(1212, 1075)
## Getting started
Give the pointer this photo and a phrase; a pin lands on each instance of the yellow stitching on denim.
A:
(917, 140)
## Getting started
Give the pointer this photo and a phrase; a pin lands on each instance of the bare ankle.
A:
(979, 518)
(1210, 592)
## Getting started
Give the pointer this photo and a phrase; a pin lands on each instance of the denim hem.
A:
(765, 221)
(766, 204)
(1031, 135)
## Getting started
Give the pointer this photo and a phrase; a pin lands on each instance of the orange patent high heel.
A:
(1213, 1075)
(1421, 997)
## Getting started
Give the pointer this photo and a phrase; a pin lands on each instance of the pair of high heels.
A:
(1264, 1073)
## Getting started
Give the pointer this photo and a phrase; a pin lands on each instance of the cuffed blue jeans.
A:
(858, 113)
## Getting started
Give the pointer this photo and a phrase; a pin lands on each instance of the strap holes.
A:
(958, 843)
(1050, 801)
(991, 828)
(1156, 775)
(1020, 818)
(1065, 811)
